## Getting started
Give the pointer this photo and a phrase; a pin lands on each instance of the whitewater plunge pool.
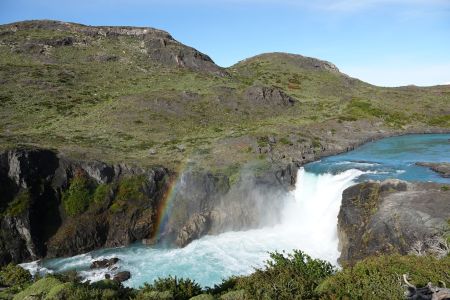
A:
(309, 218)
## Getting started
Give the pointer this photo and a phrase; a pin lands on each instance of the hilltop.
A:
(128, 94)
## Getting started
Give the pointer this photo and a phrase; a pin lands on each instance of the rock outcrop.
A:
(208, 204)
(270, 96)
(391, 216)
(34, 223)
(442, 168)
(122, 276)
(159, 46)
(124, 203)
(104, 263)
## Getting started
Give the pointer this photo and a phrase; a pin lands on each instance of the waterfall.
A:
(309, 221)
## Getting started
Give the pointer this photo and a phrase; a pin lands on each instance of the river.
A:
(309, 218)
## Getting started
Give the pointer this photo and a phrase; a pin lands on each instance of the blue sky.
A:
(384, 42)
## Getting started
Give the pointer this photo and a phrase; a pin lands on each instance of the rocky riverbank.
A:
(393, 217)
(54, 206)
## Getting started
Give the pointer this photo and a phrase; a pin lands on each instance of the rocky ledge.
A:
(392, 216)
(442, 168)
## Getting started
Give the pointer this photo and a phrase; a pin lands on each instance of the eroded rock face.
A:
(254, 201)
(263, 95)
(158, 45)
(389, 217)
(33, 221)
(197, 226)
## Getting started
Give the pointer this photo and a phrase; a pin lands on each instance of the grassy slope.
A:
(104, 97)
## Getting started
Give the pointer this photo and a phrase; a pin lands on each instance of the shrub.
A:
(380, 277)
(78, 197)
(101, 194)
(316, 143)
(180, 289)
(41, 287)
(12, 275)
(19, 205)
(225, 286)
(443, 121)
(131, 188)
(285, 141)
(294, 276)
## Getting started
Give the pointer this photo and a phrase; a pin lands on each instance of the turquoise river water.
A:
(308, 223)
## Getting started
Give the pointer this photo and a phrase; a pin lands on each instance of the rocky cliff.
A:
(53, 206)
(39, 218)
(392, 217)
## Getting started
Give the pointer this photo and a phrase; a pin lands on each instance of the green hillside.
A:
(137, 95)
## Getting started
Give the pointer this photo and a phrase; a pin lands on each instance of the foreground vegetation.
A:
(285, 276)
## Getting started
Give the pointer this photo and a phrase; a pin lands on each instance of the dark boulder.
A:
(104, 263)
(122, 276)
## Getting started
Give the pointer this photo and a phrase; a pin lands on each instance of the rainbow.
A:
(164, 209)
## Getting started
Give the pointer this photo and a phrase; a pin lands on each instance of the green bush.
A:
(225, 286)
(291, 276)
(285, 141)
(77, 198)
(101, 194)
(361, 109)
(41, 287)
(68, 287)
(180, 289)
(12, 275)
(131, 188)
(443, 121)
(294, 276)
(154, 295)
(380, 277)
(20, 204)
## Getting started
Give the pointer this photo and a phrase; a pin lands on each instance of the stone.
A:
(196, 227)
(104, 263)
(122, 276)
(390, 217)
(442, 168)
(181, 147)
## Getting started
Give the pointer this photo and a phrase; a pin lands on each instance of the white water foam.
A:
(308, 223)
